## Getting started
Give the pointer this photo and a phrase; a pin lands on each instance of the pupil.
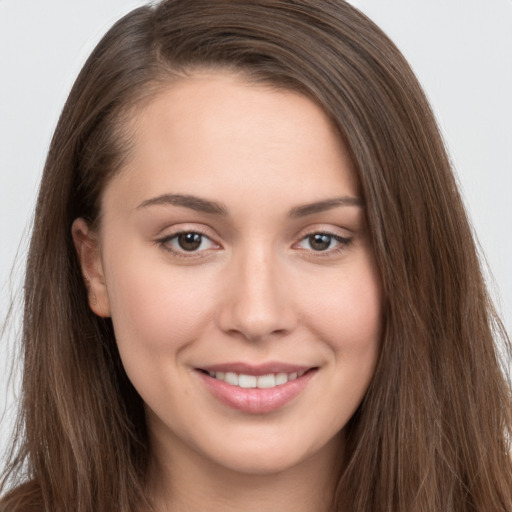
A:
(189, 241)
(319, 241)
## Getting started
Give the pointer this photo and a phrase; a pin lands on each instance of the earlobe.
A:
(88, 251)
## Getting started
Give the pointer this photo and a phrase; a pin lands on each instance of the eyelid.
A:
(343, 241)
(328, 229)
(163, 241)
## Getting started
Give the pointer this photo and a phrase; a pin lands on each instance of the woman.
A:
(251, 281)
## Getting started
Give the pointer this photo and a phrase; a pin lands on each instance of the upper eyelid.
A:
(341, 239)
(182, 254)
(323, 228)
(324, 232)
(171, 236)
(172, 231)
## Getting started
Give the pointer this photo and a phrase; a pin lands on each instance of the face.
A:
(234, 260)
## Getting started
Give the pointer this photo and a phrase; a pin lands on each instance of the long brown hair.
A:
(433, 432)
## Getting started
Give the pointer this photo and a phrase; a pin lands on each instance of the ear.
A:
(88, 250)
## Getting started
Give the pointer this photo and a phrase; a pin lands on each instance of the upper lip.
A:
(256, 369)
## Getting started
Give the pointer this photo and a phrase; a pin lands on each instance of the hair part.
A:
(434, 430)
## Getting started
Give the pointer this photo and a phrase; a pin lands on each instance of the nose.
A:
(257, 302)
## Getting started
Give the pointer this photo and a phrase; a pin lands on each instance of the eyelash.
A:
(342, 244)
(164, 244)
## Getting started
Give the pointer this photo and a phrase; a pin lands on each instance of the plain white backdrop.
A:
(461, 51)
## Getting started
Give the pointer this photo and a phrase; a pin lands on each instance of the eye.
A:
(187, 241)
(323, 242)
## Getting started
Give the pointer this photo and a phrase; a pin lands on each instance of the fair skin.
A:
(234, 241)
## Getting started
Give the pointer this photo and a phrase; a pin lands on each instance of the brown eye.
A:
(323, 242)
(189, 241)
(319, 241)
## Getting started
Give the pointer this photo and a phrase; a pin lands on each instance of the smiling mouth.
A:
(256, 389)
(268, 381)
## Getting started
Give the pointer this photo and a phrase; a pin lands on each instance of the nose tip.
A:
(257, 304)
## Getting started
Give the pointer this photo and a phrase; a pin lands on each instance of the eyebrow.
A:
(187, 201)
(212, 207)
(326, 204)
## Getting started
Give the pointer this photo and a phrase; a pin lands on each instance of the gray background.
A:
(461, 51)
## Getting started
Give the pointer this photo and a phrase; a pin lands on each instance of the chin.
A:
(262, 464)
(262, 457)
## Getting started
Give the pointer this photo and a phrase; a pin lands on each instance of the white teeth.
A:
(247, 381)
(268, 381)
(230, 378)
(281, 378)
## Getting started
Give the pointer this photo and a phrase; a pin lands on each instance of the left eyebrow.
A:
(326, 204)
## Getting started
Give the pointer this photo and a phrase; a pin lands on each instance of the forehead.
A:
(216, 133)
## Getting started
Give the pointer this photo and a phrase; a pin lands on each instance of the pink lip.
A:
(255, 400)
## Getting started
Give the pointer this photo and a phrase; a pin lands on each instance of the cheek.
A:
(157, 314)
(346, 313)
(155, 308)
(348, 321)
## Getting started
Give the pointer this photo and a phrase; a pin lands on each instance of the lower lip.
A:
(256, 400)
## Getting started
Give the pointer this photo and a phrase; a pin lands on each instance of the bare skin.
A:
(234, 241)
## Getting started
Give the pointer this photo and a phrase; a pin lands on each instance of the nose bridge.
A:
(256, 303)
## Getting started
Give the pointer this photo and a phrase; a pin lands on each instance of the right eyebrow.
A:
(187, 201)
